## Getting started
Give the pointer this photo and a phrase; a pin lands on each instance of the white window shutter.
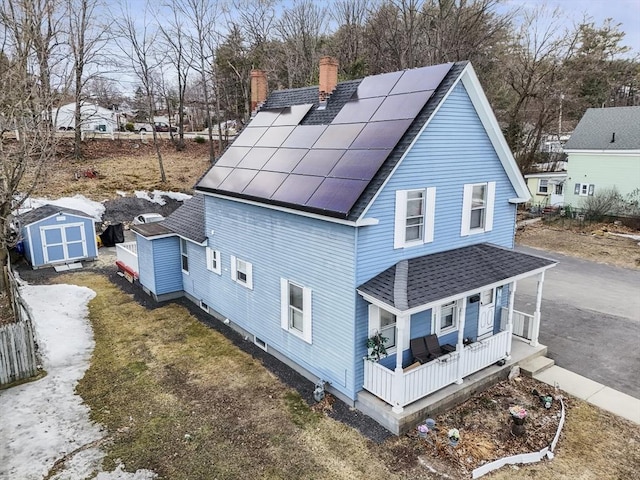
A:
(400, 219)
(249, 268)
(489, 206)
(234, 266)
(284, 303)
(307, 315)
(466, 209)
(430, 215)
(209, 253)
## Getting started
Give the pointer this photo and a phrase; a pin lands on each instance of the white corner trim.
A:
(485, 113)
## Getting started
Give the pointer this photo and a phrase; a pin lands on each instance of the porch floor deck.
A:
(448, 397)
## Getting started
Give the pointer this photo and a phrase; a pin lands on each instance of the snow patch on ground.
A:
(45, 420)
(77, 202)
(157, 196)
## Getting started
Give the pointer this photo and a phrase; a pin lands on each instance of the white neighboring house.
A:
(94, 118)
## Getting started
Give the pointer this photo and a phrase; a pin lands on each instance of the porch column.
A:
(512, 299)
(402, 326)
(536, 315)
(462, 313)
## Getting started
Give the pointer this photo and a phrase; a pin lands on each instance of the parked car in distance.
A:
(164, 127)
(147, 218)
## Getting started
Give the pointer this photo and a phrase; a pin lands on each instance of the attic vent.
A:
(613, 137)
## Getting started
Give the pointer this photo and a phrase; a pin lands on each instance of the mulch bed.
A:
(485, 426)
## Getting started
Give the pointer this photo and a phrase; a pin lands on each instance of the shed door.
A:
(61, 243)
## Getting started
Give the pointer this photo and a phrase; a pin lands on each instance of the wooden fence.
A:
(19, 356)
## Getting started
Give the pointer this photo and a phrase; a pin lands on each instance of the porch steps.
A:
(534, 366)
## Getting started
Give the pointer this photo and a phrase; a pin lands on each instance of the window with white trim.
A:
(543, 186)
(559, 188)
(384, 323)
(295, 309)
(584, 189)
(242, 272)
(447, 318)
(414, 217)
(184, 254)
(477, 208)
(213, 260)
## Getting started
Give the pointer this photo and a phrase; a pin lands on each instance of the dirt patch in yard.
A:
(597, 242)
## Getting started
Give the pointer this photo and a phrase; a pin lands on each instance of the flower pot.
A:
(517, 426)
(518, 420)
(453, 441)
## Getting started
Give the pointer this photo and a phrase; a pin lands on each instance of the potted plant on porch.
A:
(375, 345)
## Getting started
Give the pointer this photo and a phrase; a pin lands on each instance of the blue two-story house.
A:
(377, 208)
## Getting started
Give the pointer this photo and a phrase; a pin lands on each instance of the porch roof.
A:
(423, 280)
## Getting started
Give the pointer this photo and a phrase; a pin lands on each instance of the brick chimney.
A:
(258, 88)
(328, 77)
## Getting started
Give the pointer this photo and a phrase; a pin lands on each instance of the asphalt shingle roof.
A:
(422, 280)
(186, 221)
(596, 130)
(46, 211)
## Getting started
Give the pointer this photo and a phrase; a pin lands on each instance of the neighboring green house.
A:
(603, 153)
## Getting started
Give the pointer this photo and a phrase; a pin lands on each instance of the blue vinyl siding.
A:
(159, 264)
(312, 253)
(452, 151)
(34, 240)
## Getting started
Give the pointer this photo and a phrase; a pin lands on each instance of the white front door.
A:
(486, 313)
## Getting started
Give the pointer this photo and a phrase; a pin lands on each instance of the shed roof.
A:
(47, 211)
(611, 129)
(187, 221)
(427, 279)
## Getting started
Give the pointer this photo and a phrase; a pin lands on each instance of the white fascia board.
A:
(488, 119)
(519, 200)
(546, 175)
(622, 153)
(360, 222)
(451, 298)
(415, 139)
(155, 237)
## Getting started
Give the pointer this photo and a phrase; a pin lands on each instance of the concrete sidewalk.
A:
(595, 393)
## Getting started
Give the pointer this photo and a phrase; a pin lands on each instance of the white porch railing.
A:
(522, 323)
(430, 377)
(127, 253)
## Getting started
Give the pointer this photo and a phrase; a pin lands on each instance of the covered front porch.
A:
(467, 310)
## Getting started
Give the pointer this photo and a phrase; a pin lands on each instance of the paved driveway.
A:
(590, 319)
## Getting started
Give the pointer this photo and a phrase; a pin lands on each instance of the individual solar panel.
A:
(265, 118)
(339, 136)
(237, 180)
(406, 105)
(249, 136)
(297, 189)
(381, 134)
(232, 156)
(274, 137)
(337, 194)
(304, 136)
(318, 162)
(358, 110)
(285, 159)
(214, 177)
(359, 164)
(256, 158)
(292, 115)
(425, 78)
(377, 85)
(264, 184)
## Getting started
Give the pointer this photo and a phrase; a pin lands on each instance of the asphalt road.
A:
(590, 319)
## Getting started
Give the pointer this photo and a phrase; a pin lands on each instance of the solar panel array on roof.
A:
(282, 158)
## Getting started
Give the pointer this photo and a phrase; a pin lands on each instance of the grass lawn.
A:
(180, 399)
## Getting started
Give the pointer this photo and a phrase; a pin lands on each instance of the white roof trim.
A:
(601, 152)
(488, 119)
(545, 174)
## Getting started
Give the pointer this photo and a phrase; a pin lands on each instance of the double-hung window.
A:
(543, 186)
(213, 260)
(584, 189)
(447, 318)
(295, 309)
(184, 255)
(242, 272)
(414, 217)
(477, 208)
(383, 323)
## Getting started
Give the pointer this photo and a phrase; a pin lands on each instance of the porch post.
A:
(398, 377)
(536, 315)
(462, 313)
(512, 299)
